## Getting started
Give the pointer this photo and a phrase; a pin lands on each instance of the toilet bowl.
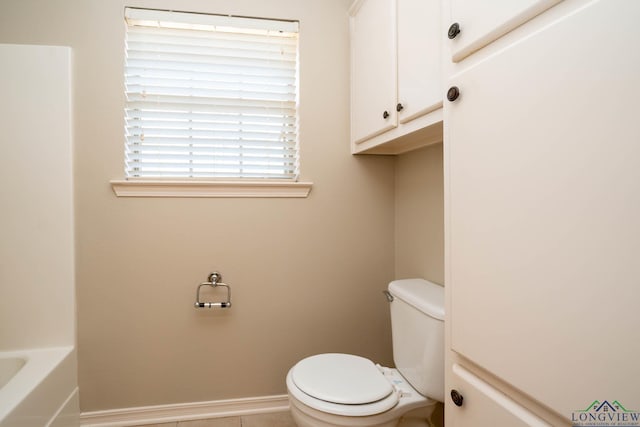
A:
(347, 390)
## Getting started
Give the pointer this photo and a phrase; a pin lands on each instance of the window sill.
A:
(161, 188)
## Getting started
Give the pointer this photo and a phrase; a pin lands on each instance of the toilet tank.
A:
(417, 327)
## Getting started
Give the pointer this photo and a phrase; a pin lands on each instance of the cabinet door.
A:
(544, 198)
(419, 58)
(373, 68)
(482, 22)
(484, 406)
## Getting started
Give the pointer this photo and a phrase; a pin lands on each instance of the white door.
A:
(373, 68)
(419, 58)
(544, 147)
(482, 22)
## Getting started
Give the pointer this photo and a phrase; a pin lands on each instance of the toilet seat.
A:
(342, 384)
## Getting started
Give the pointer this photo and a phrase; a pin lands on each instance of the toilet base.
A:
(304, 419)
(305, 416)
(419, 417)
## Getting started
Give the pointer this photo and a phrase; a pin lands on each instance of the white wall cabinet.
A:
(542, 206)
(481, 22)
(373, 68)
(396, 93)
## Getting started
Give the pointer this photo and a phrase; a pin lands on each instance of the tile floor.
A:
(280, 419)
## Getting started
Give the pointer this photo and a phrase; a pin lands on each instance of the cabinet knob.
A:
(456, 397)
(453, 93)
(385, 115)
(454, 30)
(399, 107)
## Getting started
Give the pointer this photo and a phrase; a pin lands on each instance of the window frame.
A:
(209, 186)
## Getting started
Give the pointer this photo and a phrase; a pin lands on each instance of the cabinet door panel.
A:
(544, 213)
(373, 68)
(482, 22)
(419, 57)
(484, 406)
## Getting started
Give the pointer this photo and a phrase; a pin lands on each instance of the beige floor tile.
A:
(214, 422)
(279, 419)
(159, 425)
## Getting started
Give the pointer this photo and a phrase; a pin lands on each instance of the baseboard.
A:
(184, 412)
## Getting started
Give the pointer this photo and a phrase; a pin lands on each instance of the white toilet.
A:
(329, 390)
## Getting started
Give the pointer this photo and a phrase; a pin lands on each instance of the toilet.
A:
(335, 389)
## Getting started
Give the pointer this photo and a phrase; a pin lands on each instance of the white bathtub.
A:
(38, 388)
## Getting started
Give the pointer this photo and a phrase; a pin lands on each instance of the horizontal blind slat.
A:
(186, 143)
(205, 138)
(143, 82)
(246, 96)
(199, 116)
(202, 104)
(211, 162)
(203, 75)
(193, 60)
(151, 151)
(216, 69)
(186, 125)
(197, 37)
(186, 50)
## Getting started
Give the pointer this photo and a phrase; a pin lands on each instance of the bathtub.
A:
(38, 388)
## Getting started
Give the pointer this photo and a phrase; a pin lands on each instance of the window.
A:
(210, 96)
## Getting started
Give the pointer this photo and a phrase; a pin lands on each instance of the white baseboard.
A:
(184, 411)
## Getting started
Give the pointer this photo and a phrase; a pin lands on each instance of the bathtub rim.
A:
(40, 364)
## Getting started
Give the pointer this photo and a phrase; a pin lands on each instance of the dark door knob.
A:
(385, 115)
(399, 107)
(454, 30)
(456, 397)
(453, 93)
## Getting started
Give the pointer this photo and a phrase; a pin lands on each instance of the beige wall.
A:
(306, 274)
(419, 214)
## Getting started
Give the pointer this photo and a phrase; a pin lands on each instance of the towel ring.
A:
(215, 280)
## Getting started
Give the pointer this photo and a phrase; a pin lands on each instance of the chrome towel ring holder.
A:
(215, 280)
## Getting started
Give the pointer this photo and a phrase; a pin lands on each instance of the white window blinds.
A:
(210, 96)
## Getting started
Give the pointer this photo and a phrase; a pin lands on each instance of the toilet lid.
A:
(341, 378)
